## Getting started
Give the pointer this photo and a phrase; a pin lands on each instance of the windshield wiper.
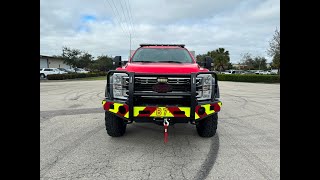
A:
(169, 61)
(144, 61)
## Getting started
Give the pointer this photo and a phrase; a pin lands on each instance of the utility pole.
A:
(130, 48)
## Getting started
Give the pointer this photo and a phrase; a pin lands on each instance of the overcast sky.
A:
(103, 26)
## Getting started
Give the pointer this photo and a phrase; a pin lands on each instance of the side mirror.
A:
(208, 62)
(116, 61)
(200, 63)
(124, 63)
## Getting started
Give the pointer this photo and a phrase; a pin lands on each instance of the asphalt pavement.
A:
(75, 145)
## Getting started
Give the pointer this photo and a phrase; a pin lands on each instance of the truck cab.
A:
(163, 84)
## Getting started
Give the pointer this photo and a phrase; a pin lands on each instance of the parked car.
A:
(44, 72)
(247, 72)
(80, 70)
(71, 70)
(266, 72)
(77, 70)
(63, 69)
(232, 72)
(259, 72)
(274, 71)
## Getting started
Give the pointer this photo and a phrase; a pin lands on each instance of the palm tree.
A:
(220, 57)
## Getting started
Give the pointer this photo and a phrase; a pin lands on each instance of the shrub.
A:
(249, 78)
(74, 75)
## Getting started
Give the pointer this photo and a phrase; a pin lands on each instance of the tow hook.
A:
(165, 125)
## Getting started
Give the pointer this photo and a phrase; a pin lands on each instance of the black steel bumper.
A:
(129, 111)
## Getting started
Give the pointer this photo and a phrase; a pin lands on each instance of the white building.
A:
(51, 62)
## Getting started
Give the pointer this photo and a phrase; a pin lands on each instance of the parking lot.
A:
(74, 142)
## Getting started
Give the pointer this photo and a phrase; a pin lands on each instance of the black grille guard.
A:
(192, 94)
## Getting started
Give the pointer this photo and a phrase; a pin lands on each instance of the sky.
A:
(103, 27)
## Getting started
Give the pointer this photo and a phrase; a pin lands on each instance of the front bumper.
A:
(130, 111)
(149, 113)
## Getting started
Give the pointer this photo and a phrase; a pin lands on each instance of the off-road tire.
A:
(207, 127)
(115, 126)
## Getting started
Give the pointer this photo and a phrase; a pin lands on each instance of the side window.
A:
(46, 69)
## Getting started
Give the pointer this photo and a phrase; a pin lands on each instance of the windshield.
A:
(162, 55)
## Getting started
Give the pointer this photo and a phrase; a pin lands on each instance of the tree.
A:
(71, 56)
(274, 49)
(200, 58)
(247, 60)
(260, 63)
(103, 63)
(221, 58)
(85, 60)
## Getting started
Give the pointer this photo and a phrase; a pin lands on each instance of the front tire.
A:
(42, 76)
(115, 126)
(207, 127)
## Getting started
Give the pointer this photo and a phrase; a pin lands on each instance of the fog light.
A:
(201, 111)
(122, 109)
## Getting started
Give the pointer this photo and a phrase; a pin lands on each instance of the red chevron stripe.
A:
(127, 109)
(172, 109)
(216, 107)
(151, 109)
(107, 105)
(197, 108)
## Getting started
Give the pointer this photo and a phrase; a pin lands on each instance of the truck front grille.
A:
(178, 84)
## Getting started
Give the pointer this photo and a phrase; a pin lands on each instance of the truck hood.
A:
(162, 68)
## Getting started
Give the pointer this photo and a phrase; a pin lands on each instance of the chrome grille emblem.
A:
(162, 80)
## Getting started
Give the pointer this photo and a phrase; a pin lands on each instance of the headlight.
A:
(204, 86)
(119, 85)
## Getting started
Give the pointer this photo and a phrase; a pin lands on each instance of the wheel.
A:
(207, 127)
(115, 126)
(42, 76)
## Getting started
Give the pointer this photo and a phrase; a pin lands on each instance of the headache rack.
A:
(179, 45)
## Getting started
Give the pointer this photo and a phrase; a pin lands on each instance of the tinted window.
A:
(162, 55)
(47, 69)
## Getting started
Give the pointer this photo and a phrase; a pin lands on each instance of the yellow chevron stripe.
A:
(116, 108)
(186, 110)
(207, 109)
(196, 116)
(137, 109)
(126, 115)
(162, 111)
